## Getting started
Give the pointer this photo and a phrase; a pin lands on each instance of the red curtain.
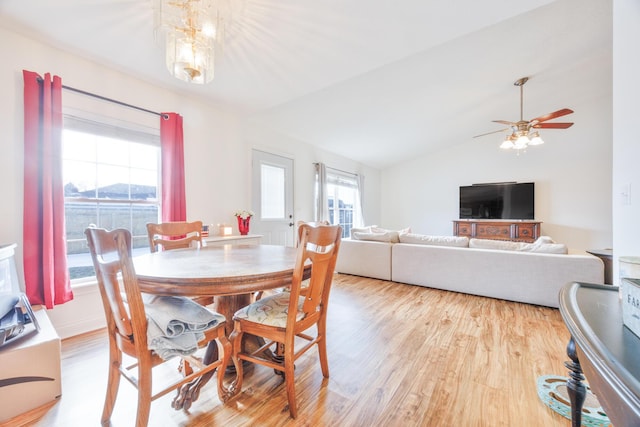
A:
(174, 205)
(44, 238)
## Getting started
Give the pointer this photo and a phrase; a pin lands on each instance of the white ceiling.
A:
(375, 81)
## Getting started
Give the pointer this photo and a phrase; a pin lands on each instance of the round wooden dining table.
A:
(230, 273)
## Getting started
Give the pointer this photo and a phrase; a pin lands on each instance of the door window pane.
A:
(273, 192)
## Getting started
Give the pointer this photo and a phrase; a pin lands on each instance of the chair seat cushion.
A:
(271, 310)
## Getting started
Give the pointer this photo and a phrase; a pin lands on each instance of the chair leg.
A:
(236, 343)
(113, 384)
(224, 354)
(322, 349)
(144, 393)
(290, 380)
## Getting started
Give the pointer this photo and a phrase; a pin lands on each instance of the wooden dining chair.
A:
(177, 235)
(174, 235)
(299, 223)
(283, 317)
(127, 329)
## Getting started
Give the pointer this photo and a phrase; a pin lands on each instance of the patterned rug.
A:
(552, 390)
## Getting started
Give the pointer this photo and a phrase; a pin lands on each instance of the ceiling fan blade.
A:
(489, 133)
(561, 125)
(504, 122)
(553, 115)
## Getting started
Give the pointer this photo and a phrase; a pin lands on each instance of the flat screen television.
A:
(509, 200)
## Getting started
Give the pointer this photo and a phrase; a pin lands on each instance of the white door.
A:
(273, 198)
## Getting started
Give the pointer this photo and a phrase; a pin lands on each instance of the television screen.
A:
(497, 201)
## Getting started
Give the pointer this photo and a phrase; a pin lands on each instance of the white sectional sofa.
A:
(529, 277)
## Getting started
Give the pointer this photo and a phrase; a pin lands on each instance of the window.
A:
(342, 196)
(111, 179)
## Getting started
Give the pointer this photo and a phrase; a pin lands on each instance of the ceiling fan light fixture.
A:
(536, 139)
(522, 132)
(521, 142)
(507, 144)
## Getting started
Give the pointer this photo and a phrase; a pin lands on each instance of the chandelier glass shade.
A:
(192, 31)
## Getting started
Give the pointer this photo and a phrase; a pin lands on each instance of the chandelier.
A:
(192, 30)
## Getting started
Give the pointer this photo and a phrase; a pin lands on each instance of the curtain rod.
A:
(104, 98)
(339, 170)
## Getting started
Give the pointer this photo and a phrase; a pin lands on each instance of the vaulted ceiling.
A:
(375, 81)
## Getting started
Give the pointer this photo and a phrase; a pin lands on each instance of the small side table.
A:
(606, 255)
(602, 348)
(248, 239)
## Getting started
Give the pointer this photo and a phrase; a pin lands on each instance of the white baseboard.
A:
(83, 314)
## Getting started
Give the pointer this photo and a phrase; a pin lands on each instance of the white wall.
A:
(305, 155)
(217, 153)
(626, 141)
(572, 173)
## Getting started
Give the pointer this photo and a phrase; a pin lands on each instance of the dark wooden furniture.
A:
(606, 255)
(604, 349)
(515, 230)
(127, 327)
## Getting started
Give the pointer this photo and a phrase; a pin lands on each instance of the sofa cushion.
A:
(422, 239)
(503, 245)
(387, 236)
(376, 229)
(544, 244)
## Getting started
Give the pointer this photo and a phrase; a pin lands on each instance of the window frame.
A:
(131, 133)
(340, 179)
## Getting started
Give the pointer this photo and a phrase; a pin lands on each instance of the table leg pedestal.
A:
(575, 388)
(227, 306)
(189, 392)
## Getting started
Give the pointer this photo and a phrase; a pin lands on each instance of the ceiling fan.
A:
(523, 132)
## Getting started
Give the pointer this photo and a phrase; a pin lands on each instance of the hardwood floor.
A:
(399, 355)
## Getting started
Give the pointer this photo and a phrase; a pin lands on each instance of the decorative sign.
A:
(631, 304)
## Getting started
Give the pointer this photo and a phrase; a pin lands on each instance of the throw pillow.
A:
(362, 229)
(543, 239)
(545, 244)
(550, 248)
(421, 239)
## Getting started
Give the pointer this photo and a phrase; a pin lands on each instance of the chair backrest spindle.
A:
(174, 235)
